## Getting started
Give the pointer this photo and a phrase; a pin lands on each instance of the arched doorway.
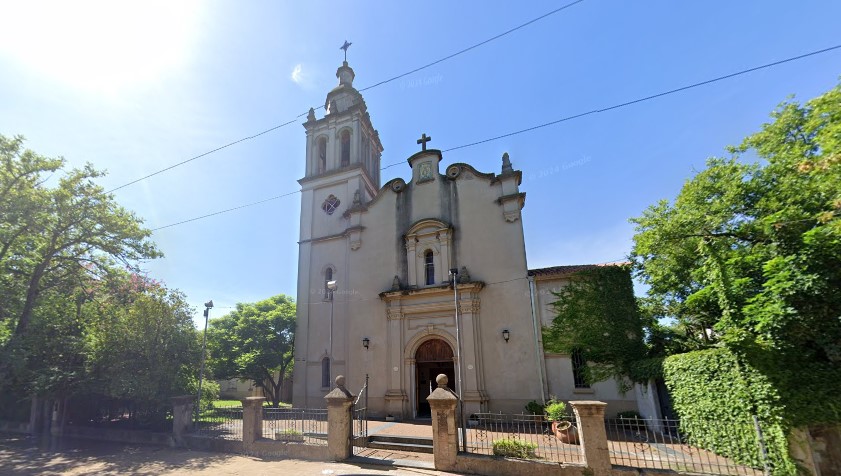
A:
(433, 357)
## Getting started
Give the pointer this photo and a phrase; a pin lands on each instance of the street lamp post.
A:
(460, 375)
(331, 286)
(207, 307)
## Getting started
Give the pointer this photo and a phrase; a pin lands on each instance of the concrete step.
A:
(417, 444)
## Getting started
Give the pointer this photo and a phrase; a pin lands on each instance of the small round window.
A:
(330, 204)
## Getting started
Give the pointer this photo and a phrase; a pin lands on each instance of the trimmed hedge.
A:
(716, 396)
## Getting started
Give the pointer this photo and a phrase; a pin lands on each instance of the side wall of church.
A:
(559, 374)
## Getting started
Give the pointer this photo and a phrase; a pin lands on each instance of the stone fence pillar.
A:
(252, 420)
(591, 432)
(182, 417)
(443, 402)
(339, 420)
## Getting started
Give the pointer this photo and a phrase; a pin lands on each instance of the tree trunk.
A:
(32, 293)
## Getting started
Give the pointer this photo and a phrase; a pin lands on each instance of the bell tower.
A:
(342, 173)
(344, 139)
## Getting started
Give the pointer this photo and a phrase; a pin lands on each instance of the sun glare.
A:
(99, 44)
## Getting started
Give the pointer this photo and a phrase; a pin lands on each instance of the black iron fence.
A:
(662, 444)
(223, 422)
(296, 425)
(524, 436)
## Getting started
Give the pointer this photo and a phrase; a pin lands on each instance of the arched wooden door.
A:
(433, 357)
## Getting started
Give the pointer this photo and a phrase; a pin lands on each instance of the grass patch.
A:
(237, 403)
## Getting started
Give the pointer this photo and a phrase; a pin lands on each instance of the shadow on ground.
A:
(27, 455)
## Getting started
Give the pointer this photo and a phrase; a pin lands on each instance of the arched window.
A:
(325, 372)
(345, 147)
(328, 276)
(429, 266)
(579, 366)
(322, 154)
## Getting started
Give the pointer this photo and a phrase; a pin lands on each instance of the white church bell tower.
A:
(342, 172)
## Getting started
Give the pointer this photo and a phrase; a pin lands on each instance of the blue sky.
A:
(133, 89)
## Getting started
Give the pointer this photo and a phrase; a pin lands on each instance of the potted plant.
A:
(289, 435)
(562, 428)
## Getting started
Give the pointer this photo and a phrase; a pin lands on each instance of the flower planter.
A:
(565, 431)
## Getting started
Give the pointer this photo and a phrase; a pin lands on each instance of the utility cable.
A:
(564, 119)
(386, 81)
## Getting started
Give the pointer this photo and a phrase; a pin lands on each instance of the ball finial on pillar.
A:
(442, 380)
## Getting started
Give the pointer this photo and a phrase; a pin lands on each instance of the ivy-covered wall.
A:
(716, 396)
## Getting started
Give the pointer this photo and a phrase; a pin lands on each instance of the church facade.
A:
(406, 280)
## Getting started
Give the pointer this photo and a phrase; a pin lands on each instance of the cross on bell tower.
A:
(345, 47)
(423, 140)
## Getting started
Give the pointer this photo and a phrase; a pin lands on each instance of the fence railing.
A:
(296, 425)
(524, 436)
(223, 422)
(662, 444)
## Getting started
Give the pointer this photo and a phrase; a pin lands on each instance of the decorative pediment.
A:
(428, 226)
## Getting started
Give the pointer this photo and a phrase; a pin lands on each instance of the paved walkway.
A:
(27, 456)
(411, 428)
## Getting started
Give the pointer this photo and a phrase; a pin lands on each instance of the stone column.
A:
(591, 433)
(182, 417)
(339, 421)
(252, 420)
(443, 402)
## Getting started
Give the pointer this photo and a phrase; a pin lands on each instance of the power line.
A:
(639, 100)
(564, 119)
(386, 81)
(226, 211)
(541, 17)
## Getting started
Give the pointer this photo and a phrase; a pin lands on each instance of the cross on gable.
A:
(423, 140)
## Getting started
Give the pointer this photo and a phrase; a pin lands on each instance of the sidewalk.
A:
(27, 456)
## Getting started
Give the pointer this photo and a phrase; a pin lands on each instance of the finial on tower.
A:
(345, 47)
(506, 164)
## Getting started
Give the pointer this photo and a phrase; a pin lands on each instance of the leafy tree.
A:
(255, 342)
(52, 236)
(748, 255)
(73, 321)
(142, 345)
(597, 315)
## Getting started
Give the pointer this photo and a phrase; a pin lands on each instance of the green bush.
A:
(715, 396)
(514, 449)
(534, 408)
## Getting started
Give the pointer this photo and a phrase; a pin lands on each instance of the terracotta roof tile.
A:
(570, 269)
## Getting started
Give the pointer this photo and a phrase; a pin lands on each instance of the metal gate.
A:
(359, 425)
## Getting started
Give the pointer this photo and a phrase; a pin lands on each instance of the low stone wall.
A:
(496, 466)
(15, 427)
(267, 447)
(216, 445)
(262, 447)
(121, 436)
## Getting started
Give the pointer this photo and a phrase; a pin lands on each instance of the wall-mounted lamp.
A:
(366, 342)
(506, 334)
